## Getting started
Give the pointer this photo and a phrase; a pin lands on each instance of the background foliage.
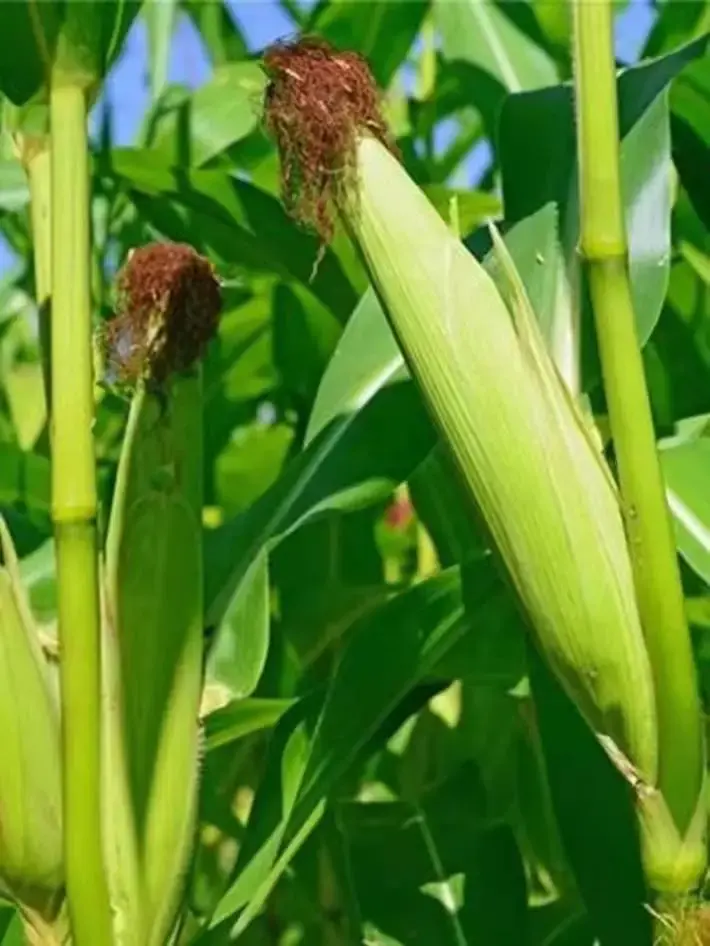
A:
(375, 769)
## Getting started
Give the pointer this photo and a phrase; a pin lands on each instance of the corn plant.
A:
(353, 537)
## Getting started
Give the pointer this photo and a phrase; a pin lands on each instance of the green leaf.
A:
(241, 718)
(270, 813)
(238, 370)
(38, 571)
(594, 812)
(686, 468)
(25, 483)
(221, 112)
(429, 623)
(14, 192)
(22, 71)
(304, 336)
(532, 242)
(555, 20)
(220, 34)
(473, 207)
(538, 159)
(366, 359)
(249, 464)
(325, 576)
(80, 42)
(492, 653)
(677, 356)
(381, 30)
(465, 91)
(11, 932)
(481, 34)
(160, 23)
(356, 460)
(237, 659)
(440, 505)
(432, 872)
(690, 108)
(230, 220)
(425, 627)
(675, 24)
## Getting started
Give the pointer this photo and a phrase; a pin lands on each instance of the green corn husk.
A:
(531, 466)
(168, 305)
(31, 868)
(520, 446)
(153, 663)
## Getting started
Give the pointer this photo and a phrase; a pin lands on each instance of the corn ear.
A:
(153, 662)
(520, 446)
(31, 869)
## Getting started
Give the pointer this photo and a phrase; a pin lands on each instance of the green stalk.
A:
(649, 527)
(74, 505)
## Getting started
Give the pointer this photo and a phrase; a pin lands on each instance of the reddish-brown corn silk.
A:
(317, 102)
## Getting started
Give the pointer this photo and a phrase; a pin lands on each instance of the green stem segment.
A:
(651, 541)
(74, 505)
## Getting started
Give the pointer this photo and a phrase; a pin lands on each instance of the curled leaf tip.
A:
(318, 101)
(168, 302)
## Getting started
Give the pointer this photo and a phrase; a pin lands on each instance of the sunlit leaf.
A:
(220, 34)
(238, 657)
(481, 34)
(537, 143)
(382, 30)
(240, 718)
(160, 23)
(686, 467)
(219, 113)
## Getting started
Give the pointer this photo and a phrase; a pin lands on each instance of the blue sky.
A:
(262, 21)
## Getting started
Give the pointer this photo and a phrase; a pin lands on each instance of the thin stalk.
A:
(651, 541)
(39, 175)
(427, 60)
(74, 505)
(427, 76)
(39, 179)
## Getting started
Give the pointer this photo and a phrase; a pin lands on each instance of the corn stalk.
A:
(659, 592)
(74, 505)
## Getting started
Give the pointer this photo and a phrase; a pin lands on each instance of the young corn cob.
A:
(31, 867)
(515, 435)
(168, 308)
